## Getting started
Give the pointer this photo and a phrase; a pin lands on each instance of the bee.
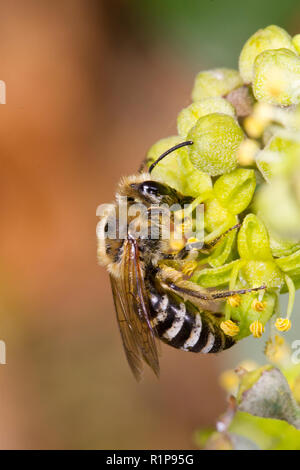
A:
(153, 300)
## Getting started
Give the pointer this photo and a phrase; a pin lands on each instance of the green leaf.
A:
(267, 434)
(266, 393)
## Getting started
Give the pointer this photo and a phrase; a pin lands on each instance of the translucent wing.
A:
(132, 308)
(129, 343)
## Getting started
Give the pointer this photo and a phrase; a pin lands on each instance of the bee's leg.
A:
(233, 301)
(200, 247)
(212, 238)
(216, 240)
(174, 281)
(188, 255)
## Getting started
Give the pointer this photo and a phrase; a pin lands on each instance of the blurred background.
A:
(91, 85)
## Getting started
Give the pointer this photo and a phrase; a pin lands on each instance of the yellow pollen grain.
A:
(234, 300)
(193, 240)
(189, 267)
(257, 329)
(254, 127)
(258, 306)
(247, 151)
(176, 245)
(283, 324)
(263, 112)
(230, 328)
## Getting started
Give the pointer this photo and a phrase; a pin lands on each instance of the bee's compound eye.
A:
(153, 188)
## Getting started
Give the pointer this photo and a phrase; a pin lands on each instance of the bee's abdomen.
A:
(183, 326)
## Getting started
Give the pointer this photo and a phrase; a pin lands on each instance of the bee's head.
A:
(153, 192)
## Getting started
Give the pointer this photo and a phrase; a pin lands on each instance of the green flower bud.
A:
(277, 77)
(275, 152)
(176, 169)
(235, 190)
(290, 264)
(216, 140)
(216, 82)
(188, 117)
(271, 37)
(280, 209)
(167, 170)
(280, 247)
(296, 42)
(259, 273)
(254, 247)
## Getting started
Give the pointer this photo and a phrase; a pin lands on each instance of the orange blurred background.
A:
(86, 97)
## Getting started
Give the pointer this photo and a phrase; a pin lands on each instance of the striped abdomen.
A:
(181, 325)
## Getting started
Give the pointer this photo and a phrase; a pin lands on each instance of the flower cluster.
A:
(244, 166)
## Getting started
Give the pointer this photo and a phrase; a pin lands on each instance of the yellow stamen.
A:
(247, 151)
(254, 127)
(257, 329)
(234, 300)
(283, 324)
(189, 268)
(277, 350)
(230, 328)
(264, 112)
(258, 306)
(229, 381)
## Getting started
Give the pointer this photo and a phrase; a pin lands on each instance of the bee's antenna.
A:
(178, 146)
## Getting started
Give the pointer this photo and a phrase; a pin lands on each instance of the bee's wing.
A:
(129, 343)
(131, 301)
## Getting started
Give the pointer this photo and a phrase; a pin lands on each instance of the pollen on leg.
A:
(176, 244)
(230, 328)
(193, 240)
(258, 305)
(257, 329)
(189, 267)
(234, 300)
(283, 324)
